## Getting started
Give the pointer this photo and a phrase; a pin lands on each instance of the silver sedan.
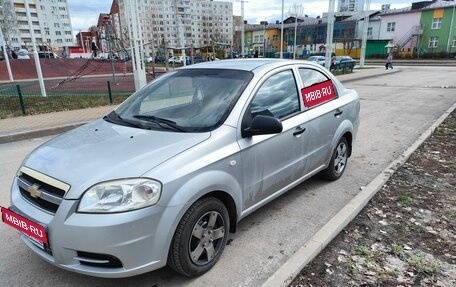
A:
(165, 177)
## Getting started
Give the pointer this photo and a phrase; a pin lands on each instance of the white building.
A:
(350, 5)
(183, 23)
(50, 21)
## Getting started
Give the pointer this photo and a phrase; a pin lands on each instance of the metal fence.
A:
(25, 98)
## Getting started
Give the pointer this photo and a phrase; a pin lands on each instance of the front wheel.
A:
(200, 237)
(338, 161)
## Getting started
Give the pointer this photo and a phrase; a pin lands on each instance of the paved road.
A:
(395, 110)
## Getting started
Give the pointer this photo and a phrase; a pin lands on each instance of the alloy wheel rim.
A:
(206, 238)
(340, 159)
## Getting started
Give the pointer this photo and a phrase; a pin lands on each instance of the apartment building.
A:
(180, 23)
(350, 5)
(50, 22)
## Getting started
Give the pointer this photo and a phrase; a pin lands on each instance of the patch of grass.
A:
(362, 250)
(415, 227)
(404, 199)
(451, 214)
(397, 250)
(389, 272)
(369, 253)
(423, 264)
(10, 106)
(353, 270)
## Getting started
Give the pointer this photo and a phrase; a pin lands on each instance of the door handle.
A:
(298, 131)
(338, 113)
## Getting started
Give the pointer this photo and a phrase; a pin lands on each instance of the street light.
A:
(35, 52)
(135, 34)
(111, 56)
(451, 28)
(281, 35)
(5, 53)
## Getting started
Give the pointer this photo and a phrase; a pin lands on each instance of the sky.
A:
(84, 13)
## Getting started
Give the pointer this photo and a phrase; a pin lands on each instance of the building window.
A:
(433, 42)
(454, 42)
(391, 27)
(369, 32)
(436, 23)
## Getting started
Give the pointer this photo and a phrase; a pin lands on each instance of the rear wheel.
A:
(200, 237)
(338, 161)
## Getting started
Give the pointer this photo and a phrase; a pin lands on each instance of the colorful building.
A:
(439, 34)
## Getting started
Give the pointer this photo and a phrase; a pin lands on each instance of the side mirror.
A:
(263, 125)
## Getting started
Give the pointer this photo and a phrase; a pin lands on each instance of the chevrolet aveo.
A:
(166, 176)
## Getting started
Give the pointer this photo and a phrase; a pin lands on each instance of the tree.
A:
(296, 11)
(8, 20)
(219, 44)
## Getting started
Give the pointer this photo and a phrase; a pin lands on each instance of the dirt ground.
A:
(406, 235)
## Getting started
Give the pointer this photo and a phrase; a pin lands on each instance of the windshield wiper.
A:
(113, 117)
(160, 121)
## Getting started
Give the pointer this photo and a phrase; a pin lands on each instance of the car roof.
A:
(245, 64)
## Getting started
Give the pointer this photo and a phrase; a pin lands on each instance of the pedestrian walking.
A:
(389, 61)
(94, 48)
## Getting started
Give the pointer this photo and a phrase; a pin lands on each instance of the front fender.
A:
(203, 184)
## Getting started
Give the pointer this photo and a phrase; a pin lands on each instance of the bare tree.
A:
(296, 11)
(8, 20)
(219, 44)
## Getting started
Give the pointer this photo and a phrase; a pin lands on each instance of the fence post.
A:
(21, 100)
(109, 92)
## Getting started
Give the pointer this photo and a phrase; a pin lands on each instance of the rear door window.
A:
(317, 88)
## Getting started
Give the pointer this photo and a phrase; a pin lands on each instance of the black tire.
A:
(338, 163)
(200, 237)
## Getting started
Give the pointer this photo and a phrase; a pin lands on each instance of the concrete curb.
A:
(369, 76)
(38, 133)
(293, 266)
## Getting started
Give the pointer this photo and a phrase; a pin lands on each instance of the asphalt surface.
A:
(397, 110)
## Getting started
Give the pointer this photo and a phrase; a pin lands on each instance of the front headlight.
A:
(120, 195)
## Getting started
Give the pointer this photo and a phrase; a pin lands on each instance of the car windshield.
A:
(188, 100)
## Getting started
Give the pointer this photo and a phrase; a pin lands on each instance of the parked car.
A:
(157, 59)
(317, 59)
(23, 54)
(166, 176)
(343, 63)
(179, 59)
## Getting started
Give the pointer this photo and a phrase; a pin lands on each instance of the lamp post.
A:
(35, 52)
(5, 53)
(451, 28)
(281, 36)
(242, 28)
(294, 41)
(111, 56)
(364, 36)
(8, 67)
(329, 34)
(135, 36)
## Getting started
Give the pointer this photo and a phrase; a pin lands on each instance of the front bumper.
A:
(102, 245)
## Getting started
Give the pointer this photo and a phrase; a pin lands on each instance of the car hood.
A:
(102, 151)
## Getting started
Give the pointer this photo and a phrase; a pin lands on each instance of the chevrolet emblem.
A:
(34, 191)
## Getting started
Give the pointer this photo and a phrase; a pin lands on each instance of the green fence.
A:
(25, 98)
